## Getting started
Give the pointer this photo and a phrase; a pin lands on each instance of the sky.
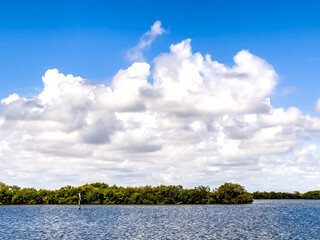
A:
(140, 93)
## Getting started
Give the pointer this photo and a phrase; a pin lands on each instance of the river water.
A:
(263, 219)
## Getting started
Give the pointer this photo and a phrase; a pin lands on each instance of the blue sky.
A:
(91, 39)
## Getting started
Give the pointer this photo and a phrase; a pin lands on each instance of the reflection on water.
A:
(264, 219)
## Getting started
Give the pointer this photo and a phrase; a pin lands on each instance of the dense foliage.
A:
(101, 193)
(232, 193)
(284, 195)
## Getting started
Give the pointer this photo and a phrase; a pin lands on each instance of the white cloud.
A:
(13, 97)
(193, 84)
(196, 122)
(136, 53)
(281, 117)
(318, 105)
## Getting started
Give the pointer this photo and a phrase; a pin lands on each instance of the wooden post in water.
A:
(79, 199)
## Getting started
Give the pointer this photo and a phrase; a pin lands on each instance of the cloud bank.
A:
(199, 122)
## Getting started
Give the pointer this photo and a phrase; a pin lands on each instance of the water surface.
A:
(264, 219)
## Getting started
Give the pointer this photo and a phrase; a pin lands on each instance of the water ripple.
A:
(264, 219)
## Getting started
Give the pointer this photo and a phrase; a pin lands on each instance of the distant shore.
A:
(285, 195)
(102, 193)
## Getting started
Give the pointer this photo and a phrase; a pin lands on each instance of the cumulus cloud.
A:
(194, 84)
(196, 122)
(136, 53)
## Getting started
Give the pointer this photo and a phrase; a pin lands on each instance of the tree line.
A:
(285, 195)
(102, 193)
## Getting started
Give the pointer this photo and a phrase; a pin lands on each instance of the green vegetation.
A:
(284, 195)
(101, 193)
(232, 193)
